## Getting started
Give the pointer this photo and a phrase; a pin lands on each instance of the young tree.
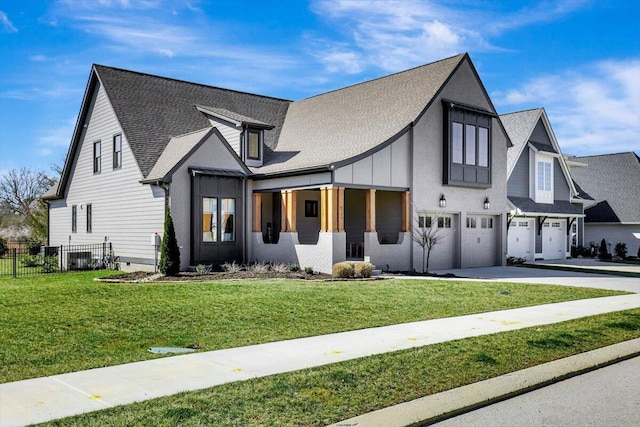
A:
(426, 233)
(169, 251)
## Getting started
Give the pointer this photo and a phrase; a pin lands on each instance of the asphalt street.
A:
(608, 396)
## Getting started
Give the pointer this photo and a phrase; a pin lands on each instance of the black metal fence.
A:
(24, 261)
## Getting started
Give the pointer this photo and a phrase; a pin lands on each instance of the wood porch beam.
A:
(406, 211)
(323, 209)
(257, 212)
(292, 198)
(341, 209)
(370, 197)
(283, 210)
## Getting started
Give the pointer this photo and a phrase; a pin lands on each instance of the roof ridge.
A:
(461, 55)
(522, 111)
(608, 154)
(140, 73)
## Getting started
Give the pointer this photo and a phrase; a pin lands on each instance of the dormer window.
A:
(542, 183)
(254, 137)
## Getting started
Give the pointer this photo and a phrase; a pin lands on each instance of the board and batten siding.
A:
(540, 134)
(518, 184)
(125, 212)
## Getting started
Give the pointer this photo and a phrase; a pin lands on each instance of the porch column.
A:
(341, 209)
(289, 199)
(332, 209)
(370, 201)
(257, 212)
(406, 211)
(283, 211)
(323, 209)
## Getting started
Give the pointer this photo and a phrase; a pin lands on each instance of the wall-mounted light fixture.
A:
(487, 205)
(442, 202)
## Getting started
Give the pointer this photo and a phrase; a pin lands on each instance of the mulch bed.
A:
(140, 276)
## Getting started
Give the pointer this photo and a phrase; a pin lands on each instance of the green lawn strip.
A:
(328, 394)
(66, 322)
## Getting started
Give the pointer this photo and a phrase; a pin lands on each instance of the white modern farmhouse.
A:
(544, 204)
(341, 175)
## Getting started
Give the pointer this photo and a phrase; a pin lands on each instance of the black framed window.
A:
(466, 145)
(74, 218)
(117, 151)
(311, 208)
(97, 157)
(89, 218)
(254, 144)
(218, 219)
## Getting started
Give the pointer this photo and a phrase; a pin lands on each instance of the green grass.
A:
(328, 394)
(66, 322)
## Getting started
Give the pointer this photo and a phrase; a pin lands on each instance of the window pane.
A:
(470, 145)
(447, 222)
(440, 222)
(547, 177)
(96, 157)
(228, 213)
(89, 218)
(456, 143)
(254, 145)
(421, 222)
(74, 218)
(483, 147)
(540, 176)
(209, 219)
(117, 151)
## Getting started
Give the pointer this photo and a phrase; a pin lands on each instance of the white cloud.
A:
(7, 25)
(38, 58)
(594, 109)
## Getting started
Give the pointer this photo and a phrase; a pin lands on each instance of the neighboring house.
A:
(544, 204)
(613, 181)
(342, 175)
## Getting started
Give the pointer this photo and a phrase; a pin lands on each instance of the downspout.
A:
(48, 223)
(411, 189)
(245, 232)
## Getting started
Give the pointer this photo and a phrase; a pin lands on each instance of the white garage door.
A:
(521, 239)
(479, 241)
(553, 239)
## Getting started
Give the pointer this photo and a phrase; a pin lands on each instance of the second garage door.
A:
(479, 242)
(553, 239)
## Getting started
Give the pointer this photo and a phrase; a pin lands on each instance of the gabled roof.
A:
(345, 123)
(519, 126)
(614, 179)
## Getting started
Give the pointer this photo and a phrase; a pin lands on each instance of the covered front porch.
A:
(323, 225)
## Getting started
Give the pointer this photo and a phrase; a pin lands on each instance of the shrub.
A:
(363, 269)
(515, 261)
(293, 267)
(33, 246)
(232, 268)
(3, 246)
(50, 264)
(259, 267)
(603, 253)
(621, 250)
(169, 252)
(280, 268)
(343, 270)
(308, 270)
(31, 260)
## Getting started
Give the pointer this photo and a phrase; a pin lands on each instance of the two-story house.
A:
(341, 175)
(545, 207)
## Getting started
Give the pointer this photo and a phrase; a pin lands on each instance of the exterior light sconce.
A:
(442, 202)
(487, 205)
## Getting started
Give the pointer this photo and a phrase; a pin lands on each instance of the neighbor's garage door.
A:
(479, 246)
(553, 239)
(521, 239)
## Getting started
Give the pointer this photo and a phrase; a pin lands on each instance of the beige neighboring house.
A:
(341, 175)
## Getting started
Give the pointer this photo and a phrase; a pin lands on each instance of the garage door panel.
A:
(553, 239)
(520, 239)
(479, 242)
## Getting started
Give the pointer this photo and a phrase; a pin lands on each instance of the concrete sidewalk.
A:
(58, 396)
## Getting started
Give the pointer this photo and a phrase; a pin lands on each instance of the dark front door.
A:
(217, 220)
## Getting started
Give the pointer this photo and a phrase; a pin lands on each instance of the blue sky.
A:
(580, 59)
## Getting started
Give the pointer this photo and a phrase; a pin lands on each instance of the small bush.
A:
(3, 246)
(50, 264)
(33, 246)
(169, 250)
(515, 261)
(259, 267)
(308, 270)
(31, 260)
(621, 250)
(363, 269)
(293, 267)
(343, 270)
(280, 268)
(233, 267)
(603, 253)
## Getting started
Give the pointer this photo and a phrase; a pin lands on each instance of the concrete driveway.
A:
(549, 277)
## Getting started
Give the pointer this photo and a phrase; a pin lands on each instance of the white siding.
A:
(125, 212)
(229, 131)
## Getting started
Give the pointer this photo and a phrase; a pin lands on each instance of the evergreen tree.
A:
(169, 251)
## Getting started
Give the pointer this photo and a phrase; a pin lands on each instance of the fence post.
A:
(15, 263)
(60, 258)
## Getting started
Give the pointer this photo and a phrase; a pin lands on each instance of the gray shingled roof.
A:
(153, 109)
(519, 126)
(345, 123)
(235, 117)
(563, 207)
(614, 179)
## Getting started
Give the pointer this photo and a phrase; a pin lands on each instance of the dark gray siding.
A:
(561, 189)
(540, 135)
(518, 184)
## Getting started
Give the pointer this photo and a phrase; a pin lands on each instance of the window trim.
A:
(97, 159)
(117, 154)
(89, 208)
(247, 139)
(74, 218)
(457, 170)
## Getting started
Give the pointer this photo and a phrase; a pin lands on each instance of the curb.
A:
(578, 269)
(438, 407)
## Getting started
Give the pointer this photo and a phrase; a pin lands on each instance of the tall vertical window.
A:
(544, 176)
(89, 217)
(253, 145)
(467, 145)
(96, 157)
(74, 218)
(117, 151)
(209, 219)
(228, 217)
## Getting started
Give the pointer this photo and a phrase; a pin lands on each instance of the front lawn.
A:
(66, 322)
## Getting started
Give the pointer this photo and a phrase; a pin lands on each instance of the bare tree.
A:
(20, 192)
(426, 233)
